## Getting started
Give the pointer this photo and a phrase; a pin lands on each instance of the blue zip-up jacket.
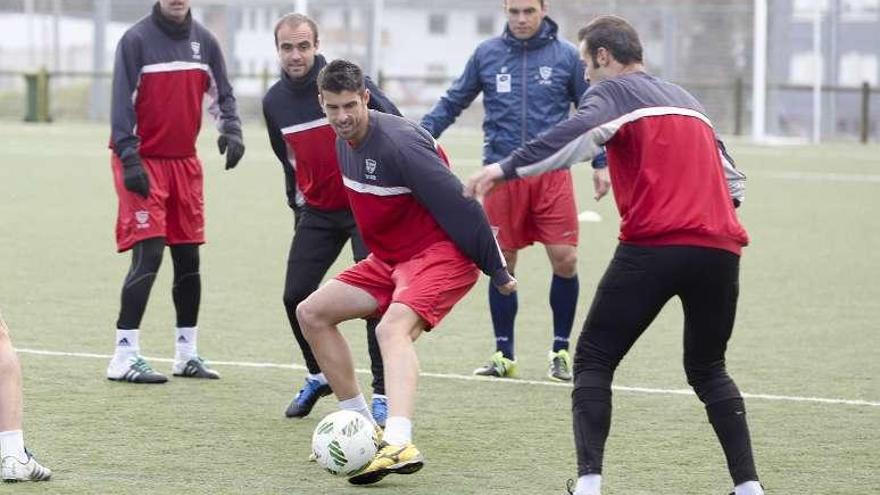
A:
(528, 86)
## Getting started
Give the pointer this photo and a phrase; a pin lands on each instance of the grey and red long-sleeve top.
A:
(304, 142)
(161, 73)
(405, 198)
(673, 181)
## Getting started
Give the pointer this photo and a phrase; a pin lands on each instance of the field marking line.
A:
(820, 176)
(472, 378)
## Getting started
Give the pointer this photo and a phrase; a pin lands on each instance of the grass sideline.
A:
(807, 327)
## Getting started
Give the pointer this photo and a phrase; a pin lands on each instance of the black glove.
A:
(134, 176)
(233, 147)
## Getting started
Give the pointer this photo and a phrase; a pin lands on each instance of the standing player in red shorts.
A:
(426, 241)
(164, 66)
(530, 79)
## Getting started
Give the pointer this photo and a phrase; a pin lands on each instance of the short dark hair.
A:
(293, 20)
(614, 34)
(341, 75)
(542, 3)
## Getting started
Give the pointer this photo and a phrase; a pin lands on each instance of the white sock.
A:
(320, 378)
(359, 405)
(380, 396)
(588, 484)
(127, 345)
(748, 488)
(398, 430)
(185, 343)
(12, 444)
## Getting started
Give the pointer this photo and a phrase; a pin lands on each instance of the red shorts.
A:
(534, 209)
(175, 208)
(429, 283)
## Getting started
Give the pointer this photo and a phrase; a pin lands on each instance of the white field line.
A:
(820, 176)
(452, 376)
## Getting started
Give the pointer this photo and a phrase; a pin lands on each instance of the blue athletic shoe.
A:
(305, 399)
(380, 410)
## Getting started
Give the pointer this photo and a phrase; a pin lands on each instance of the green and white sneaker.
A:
(13, 470)
(194, 368)
(499, 366)
(560, 366)
(135, 369)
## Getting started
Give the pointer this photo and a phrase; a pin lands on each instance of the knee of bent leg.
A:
(710, 381)
(700, 373)
(308, 313)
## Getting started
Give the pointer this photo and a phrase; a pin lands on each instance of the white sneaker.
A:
(14, 470)
(134, 370)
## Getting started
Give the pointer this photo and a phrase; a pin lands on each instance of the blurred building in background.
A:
(417, 47)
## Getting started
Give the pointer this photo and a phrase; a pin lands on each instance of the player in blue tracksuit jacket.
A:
(530, 80)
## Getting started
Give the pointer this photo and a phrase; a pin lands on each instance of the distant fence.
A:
(848, 112)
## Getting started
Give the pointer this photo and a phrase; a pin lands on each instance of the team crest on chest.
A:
(197, 49)
(545, 72)
(370, 168)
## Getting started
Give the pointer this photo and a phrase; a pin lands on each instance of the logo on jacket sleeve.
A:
(370, 168)
(546, 72)
(197, 49)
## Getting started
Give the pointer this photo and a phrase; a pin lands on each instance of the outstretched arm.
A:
(457, 98)
(463, 219)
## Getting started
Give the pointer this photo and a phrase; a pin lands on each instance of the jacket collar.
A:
(307, 81)
(174, 30)
(546, 34)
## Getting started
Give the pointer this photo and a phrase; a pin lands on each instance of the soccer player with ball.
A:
(426, 242)
(679, 237)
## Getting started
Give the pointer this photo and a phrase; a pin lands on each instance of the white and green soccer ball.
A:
(344, 442)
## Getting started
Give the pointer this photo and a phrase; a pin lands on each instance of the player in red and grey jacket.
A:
(427, 245)
(305, 144)
(676, 189)
(164, 66)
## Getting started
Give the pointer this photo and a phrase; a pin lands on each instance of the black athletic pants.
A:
(637, 284)
(317, 241)
(146, 257)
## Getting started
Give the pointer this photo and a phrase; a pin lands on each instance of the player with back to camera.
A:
(676, 190)
(426, 241)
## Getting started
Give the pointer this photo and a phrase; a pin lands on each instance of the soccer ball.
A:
(344, 442)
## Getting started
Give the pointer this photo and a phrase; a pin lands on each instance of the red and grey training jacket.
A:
(161, 74)
(673, 181)
(304, 142)
(404, 197)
